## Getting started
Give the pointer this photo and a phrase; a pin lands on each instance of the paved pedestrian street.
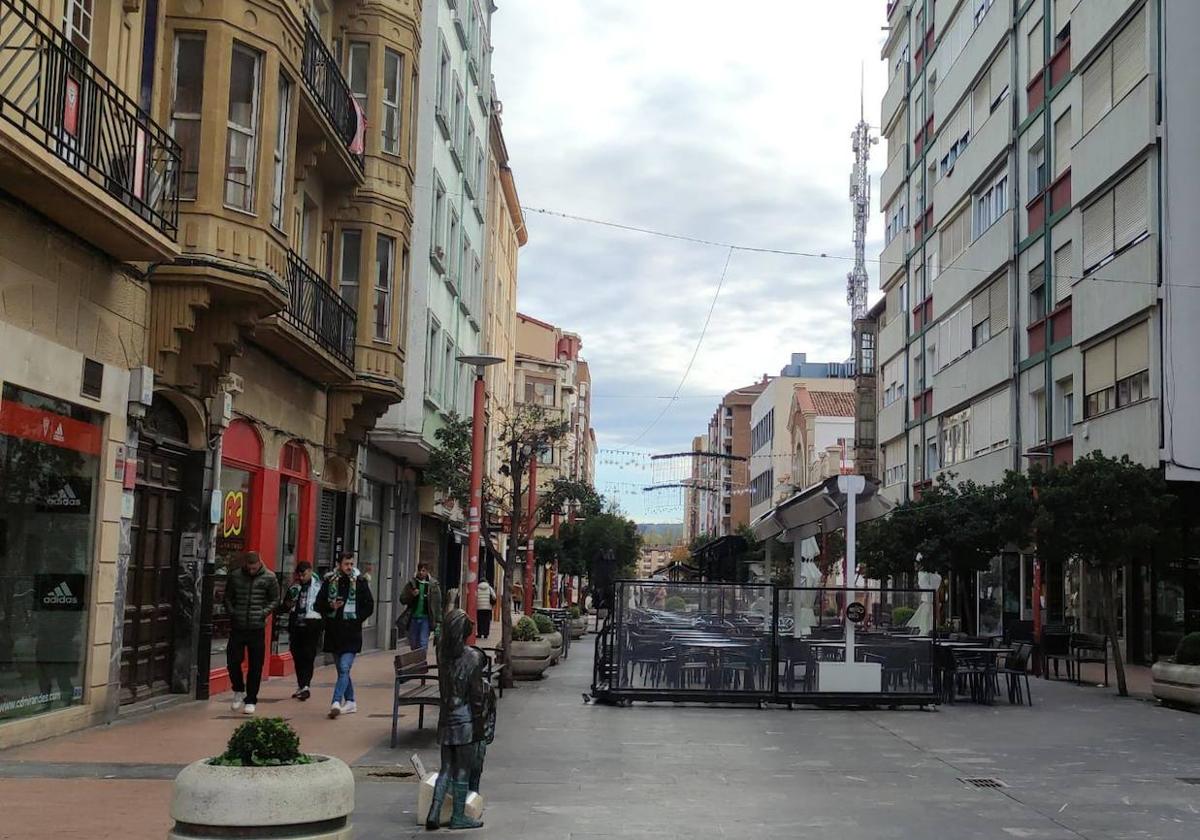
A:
(1081, 763)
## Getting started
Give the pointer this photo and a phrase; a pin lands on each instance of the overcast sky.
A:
(716, 120)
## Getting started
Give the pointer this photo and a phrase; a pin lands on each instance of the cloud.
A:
(721, 122)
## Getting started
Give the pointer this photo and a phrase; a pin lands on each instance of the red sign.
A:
(23, 421)
(235, 514)
(71, 108)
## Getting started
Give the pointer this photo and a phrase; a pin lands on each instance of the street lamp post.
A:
(475, 511)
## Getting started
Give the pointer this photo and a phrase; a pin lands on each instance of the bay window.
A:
(187, 100)
(393, 74)
(241, 144)
(385, 259)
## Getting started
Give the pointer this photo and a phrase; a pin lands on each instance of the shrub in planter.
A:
(262, 786)
(578, 623)
(1188, 652)
(544, 624)
(676, 604)
(525, 631)
(529, 654)
(901, 615)
(575, 613)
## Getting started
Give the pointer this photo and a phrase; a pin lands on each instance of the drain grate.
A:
(1190, 780)
(983, 783)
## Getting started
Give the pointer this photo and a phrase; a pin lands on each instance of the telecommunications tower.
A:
(860, 201)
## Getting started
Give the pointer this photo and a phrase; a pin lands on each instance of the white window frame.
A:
(385, 246)
(991, 204)
(249, 132)
(279, 154)
(393, 107)
(359, 51)
(348, 289)
(178, 117)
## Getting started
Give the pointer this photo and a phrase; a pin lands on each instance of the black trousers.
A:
(484, 617)
(304, 642)
(241, 642)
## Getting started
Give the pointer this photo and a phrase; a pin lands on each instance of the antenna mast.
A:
(860, 201)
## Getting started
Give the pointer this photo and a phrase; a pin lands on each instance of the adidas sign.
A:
(66, 497)
(60, 596)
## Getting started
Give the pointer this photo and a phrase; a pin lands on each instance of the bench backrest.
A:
(1089, 641)
(411, 663)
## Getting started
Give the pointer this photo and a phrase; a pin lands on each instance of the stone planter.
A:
(309, 801)
(556, 646)
(578, 627)
(529, 660)
(1177, 685)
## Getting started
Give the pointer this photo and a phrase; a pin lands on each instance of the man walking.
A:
(251, 594)
(304, 626)
(423, 597)
(485, 599)
(346, 602)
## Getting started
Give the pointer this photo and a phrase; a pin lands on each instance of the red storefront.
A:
(264, 509)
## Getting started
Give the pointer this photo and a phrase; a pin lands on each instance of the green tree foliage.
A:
(563, 495)
(547, 550)
(449, 468)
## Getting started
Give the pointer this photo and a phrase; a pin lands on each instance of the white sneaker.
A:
(349, 707)
(335, 709)
(239, 697)
(248, 709)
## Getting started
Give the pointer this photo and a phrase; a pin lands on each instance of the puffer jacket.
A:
(249, 599)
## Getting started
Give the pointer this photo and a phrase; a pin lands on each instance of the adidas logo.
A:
(64, 498)
(60, 595)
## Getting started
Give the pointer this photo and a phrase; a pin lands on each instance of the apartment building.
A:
(446, 306)
(820, 432)
(1035, 268)
(206, 237)
(772, 458)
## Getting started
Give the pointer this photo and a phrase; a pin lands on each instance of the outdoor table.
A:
(713, 647)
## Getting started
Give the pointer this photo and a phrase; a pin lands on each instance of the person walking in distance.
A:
(345, 601)
(304, 626)
(423, 597)
(251, 595)
(485, 600)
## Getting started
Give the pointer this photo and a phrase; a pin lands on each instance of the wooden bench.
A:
(413, 688)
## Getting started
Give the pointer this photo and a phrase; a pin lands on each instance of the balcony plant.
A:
(529, 653)
(1178, 683)
(546, 630)
(261, 784)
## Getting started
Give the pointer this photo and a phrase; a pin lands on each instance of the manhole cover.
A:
(983, 783)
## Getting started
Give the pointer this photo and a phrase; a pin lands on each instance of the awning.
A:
(816, 509)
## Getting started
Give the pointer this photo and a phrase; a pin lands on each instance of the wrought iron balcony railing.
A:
(332, 91)
(53, 94)
(318, 311)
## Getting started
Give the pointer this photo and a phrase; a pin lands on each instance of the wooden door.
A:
(148, 642)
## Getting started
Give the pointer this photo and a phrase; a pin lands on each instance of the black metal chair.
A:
(1056, 647)
(1016, 669)
(1089, 647)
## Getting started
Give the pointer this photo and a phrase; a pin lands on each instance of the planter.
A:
(529, 660)
(556, 646)
(258, 802)
(1177, 685)
(578, 628)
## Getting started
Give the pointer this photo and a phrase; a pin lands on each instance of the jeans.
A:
(418, 633)
(241, 642)
(303, 642)
(343, 689)
(484, 617)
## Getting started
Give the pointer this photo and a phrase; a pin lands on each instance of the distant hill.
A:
(661, 533)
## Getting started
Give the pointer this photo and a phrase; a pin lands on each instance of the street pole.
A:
(474, 515)
(553, 574)
(528, 599)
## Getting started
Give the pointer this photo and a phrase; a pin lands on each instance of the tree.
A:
(449, 468)
(563, 495)
(547, 550)
(1109, 514)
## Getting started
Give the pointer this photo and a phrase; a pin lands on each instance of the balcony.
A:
(77, 148)
(316, 332)
(330, 111)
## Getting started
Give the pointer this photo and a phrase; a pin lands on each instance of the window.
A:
(393, 81)
(186, 106)
(991, 204)
(385, 263)
(893, 380)
(452, 245)
(1062, 17)
(956, 438)
(895, 470)
(989, 312)
(351, 261)
(1117, 219)
(439, 219)
(464, 266)
(358, 73)
(866, 355)
(989, 423)
(279, 157)
(1064, 408)
(1036, 49)
(931, 457)
(1037, 292)
(539, 391)
(469, 155)
(955, 136)
(1116, 71)
(457, 117)
(991, 90)
(1116, 372)
(433, 349)
(1062, 143)
(449, 372)
(1062, 272)
(241, 140)
(479, 170)
(1037, 415)
(897, 221)
(954, 336)
(443, 83)
(954, 236)
(476, 284)
(77, 23)
(1038, 180)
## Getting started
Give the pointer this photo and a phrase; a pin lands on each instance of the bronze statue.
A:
(467, 720)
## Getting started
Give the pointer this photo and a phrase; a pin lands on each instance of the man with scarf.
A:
(345, 601)
(304, 626)
(466, 722)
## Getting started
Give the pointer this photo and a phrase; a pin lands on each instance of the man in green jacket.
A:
(251, 595)
(423, 597)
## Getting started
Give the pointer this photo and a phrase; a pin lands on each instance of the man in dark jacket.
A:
(251, 595)
(423, 597)
(304, 626)
(345, 601)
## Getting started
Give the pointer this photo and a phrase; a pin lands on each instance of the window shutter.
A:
(1129, 56)
(1097, 89)
(1062, 14)
(1097, 231)
(1000, 410)
(999, 73)
(964, 331)
(1133, 350)
(981, 105)
(1062, 271)
(980, 308)
(1099, 367)
(1062, 144)
(1130, 208)
(981, 420)
(1036, 51)
(998, 300)
(954, 236)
